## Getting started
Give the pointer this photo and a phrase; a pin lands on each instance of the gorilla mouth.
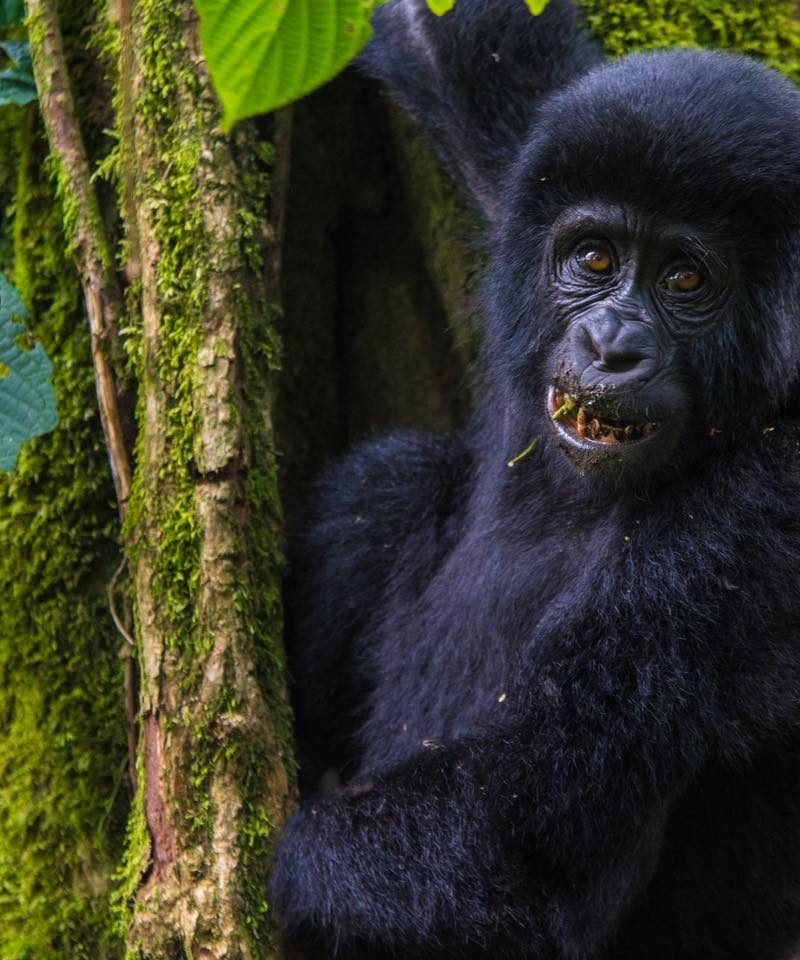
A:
(588, 424)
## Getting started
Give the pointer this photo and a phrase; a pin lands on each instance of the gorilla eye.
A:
(595, 258)
(683, 279)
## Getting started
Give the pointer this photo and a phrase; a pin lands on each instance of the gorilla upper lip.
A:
(588, 421)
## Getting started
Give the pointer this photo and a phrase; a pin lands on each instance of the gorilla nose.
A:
(619, 350)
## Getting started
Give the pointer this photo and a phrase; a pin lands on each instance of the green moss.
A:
(62, 729)
(768, 29)
(171, 193)
(134, 862)
(176, 192)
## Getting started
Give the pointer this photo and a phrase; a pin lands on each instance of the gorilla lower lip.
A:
(583, 422)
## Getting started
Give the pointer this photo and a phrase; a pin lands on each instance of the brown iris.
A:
(595, 258)
(684, 279)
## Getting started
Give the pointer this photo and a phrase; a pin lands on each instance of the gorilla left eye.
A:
(595, 258)
(684, 279)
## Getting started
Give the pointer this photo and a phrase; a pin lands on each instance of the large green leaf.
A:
(265, 53)
(12, 13)
(16, 83)
(16, 87)
(537, 6)
(440, 7)
(27, 400)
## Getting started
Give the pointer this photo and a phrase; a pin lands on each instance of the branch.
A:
(86, 233)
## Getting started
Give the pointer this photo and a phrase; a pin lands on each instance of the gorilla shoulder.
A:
(377, 507)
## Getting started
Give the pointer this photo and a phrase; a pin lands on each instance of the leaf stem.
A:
(529, 449)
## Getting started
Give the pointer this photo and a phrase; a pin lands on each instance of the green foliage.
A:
(440, 7)
(767, 29)
(12, 13)
(16, 82)
(265, 53)
(62, 728)
(27, 400)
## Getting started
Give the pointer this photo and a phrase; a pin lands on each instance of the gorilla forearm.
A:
(543, 832)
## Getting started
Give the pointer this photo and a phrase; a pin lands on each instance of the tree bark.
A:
(202, 528)
(204, 522)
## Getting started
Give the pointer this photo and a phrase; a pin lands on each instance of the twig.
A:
(102, 295)
(112, 606)
(520, 456)
(130, 675)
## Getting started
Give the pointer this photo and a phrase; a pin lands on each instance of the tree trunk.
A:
(202, 518)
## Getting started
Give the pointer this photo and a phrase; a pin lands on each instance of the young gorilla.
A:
(566, 692)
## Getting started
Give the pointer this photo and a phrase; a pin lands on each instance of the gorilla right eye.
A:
(595, 258)
(685, 278)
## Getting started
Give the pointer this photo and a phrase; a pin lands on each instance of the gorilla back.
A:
(563, 689)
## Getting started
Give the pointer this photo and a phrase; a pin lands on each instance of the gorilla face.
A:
(645, 281)
(628, 292)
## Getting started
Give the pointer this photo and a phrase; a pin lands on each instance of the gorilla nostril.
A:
(614, 346)
(614, 362)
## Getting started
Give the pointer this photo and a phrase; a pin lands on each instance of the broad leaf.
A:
(16, 87)
(265, 53)
(19, 51)
(16, 83)
(537, 6)
(440, 7)
(27, 399)
(12, 13)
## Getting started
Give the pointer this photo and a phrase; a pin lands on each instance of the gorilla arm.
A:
(473, 78)
(552, 824)
(398, 490)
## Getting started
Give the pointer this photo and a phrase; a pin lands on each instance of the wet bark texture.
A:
(204, 524)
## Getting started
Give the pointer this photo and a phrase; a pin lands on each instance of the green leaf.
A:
(16, 86)
(263, 54)
(12, 13)
(16, 83)
(537, 6)
(18, 51)
(27, 399)
(441, 6)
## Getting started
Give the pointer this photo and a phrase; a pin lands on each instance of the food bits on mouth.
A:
(580, 422)
(588, 423)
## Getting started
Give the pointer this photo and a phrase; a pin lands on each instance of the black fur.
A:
(567, 706)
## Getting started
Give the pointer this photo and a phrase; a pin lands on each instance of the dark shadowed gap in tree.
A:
(378, 283)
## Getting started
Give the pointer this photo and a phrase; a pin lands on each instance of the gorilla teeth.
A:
(582, 420)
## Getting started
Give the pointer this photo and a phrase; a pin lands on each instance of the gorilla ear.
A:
(472, 78)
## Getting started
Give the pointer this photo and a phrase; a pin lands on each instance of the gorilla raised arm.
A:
(564, 688)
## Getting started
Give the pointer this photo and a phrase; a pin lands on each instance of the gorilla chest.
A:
(448, 660)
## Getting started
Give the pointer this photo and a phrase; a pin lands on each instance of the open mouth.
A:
(587, 424)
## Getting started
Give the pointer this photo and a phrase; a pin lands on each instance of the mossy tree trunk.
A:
(190, 303)
(203, 527)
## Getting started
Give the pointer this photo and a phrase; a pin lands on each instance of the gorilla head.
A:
(644, 291)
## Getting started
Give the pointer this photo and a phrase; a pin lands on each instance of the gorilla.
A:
(555, 657)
